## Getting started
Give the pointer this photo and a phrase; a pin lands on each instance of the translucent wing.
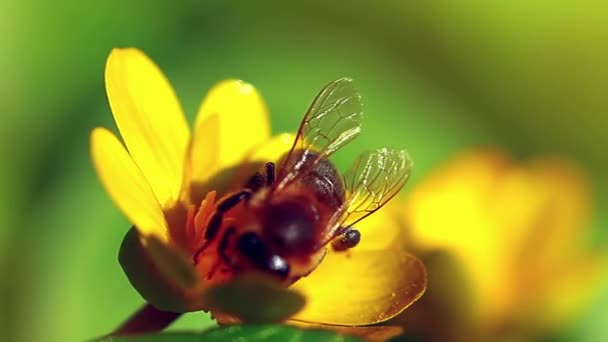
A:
(333, 120)
(373, 179)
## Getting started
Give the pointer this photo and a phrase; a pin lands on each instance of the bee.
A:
(284, 218)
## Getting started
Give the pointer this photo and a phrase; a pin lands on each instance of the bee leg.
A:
(215, 223)
(270, 174)
(258, 181)
(221, 248)
(221, 251)
(349, 238)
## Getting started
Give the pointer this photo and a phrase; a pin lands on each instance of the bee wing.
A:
(374, 178)
(332, 120)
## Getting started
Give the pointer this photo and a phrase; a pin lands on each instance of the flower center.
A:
(211, 264)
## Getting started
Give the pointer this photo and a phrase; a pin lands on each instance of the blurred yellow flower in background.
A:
(166, 181)
(506, 246)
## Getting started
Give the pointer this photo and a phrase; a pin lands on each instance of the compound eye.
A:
(278, 266)
(251, 245)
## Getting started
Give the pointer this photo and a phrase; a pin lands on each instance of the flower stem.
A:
(147, 319)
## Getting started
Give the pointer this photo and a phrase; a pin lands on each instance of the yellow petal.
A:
(150, 120)
(203, 162)
(269, 151)
(126, 184)
(382, 228)
(242, 123)
(363, 286)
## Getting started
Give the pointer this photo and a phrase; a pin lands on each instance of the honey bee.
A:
(284, 218)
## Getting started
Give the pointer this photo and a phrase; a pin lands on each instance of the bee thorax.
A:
(290, 226)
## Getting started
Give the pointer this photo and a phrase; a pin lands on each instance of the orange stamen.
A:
(202, 218)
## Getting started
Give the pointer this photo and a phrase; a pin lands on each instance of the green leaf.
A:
(254, 298)
(172, 264)
(160, 275)
(245, 333)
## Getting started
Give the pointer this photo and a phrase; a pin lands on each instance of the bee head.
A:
(252, 247)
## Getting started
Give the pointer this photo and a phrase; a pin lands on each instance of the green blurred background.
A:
(436, 78)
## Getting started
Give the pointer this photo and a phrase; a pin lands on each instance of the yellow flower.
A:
(167, 178)
(504, 245)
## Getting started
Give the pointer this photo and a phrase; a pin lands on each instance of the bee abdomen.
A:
(326, 184)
